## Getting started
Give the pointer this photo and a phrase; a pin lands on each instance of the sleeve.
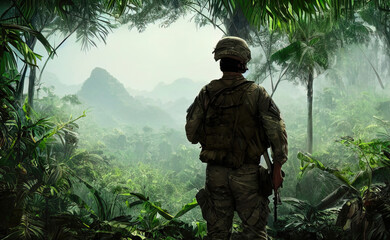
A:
(194, 119)
(274, 127)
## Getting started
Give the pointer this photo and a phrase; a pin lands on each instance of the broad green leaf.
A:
(186, 208)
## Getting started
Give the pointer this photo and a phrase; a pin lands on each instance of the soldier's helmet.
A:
(232, 47)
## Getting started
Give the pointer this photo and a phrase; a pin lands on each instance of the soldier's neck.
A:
(232, 74)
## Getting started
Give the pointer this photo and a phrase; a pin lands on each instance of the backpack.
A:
(229, 128)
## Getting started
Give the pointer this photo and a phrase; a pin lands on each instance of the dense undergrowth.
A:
(67, 178)
(52, 188)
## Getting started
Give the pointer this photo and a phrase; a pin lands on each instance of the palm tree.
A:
(89, 19)
(306, 57)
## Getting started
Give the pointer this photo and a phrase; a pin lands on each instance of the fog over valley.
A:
(96, 141)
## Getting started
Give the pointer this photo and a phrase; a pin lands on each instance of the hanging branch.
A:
(281, 75)
(268, 61)
(55, 50)
(208, 19)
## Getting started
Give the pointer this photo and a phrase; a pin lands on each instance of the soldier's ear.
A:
(243, 67)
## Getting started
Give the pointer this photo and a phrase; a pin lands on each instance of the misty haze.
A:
(95, 97)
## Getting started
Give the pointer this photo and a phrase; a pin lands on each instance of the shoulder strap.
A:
(212, 99)
(237, 115)
(217, 94)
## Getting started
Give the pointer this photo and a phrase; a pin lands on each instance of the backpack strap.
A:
(213, 98)
(237, 115)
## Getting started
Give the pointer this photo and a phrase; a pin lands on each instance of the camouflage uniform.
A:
(235, 120)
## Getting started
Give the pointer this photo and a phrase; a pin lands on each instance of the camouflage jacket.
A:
(257, 117)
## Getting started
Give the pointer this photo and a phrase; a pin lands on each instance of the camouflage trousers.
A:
(228, 190)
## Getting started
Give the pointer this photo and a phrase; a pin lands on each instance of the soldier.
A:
(235, 121)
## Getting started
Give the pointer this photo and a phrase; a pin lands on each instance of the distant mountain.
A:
(178, 109)
(51, 80)
(173, 98)
(179, 89)
(112, 104)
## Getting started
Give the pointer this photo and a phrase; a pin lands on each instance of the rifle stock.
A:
(276, 198)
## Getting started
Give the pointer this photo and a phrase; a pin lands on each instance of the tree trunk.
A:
(31, 41)
(20, 88)
(310, 113)
(31, 85)
(19, 92)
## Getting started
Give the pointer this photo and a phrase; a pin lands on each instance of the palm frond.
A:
(29, 228)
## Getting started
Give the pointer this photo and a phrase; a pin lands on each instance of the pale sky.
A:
(141, 60)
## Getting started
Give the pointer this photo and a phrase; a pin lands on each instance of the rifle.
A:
(277, 200)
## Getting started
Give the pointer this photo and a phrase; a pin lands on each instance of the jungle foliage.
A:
(64, 177)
